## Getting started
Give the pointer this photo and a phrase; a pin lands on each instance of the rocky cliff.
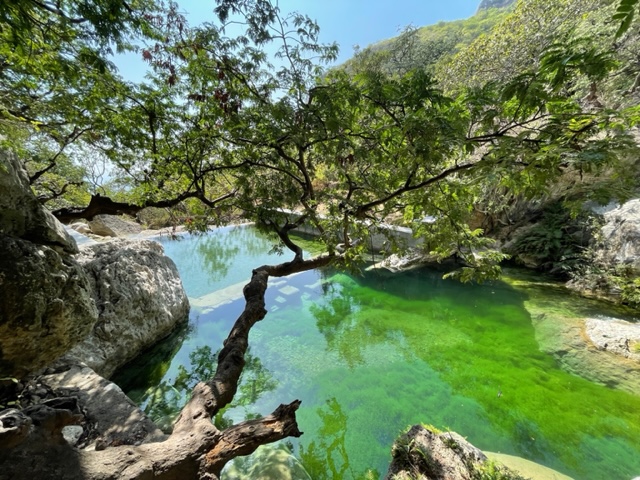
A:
(46, 305)
(117, 298)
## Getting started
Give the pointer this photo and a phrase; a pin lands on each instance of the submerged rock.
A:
(269, 462)
(140, 299)
(560, 319)
(527, 468)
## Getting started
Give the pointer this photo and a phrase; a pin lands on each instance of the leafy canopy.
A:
(223, 121)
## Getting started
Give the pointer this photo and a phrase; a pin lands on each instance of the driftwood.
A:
(31, 445)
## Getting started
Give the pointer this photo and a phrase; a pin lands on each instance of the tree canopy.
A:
(221, 121)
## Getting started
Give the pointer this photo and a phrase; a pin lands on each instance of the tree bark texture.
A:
(32, 446)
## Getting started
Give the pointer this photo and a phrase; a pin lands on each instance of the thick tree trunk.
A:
(32, 446)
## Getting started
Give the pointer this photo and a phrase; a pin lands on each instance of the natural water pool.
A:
(369, 355)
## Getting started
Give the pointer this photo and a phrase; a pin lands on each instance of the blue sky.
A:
(347, 22)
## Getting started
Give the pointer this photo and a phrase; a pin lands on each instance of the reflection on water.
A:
(370, 355)
(326, 457)
(162, 402)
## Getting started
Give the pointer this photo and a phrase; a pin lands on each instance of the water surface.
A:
(371, 354)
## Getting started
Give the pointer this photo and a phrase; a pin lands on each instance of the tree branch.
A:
(246, 437)
(100, 205)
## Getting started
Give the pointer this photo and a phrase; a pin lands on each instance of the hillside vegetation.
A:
(499, 47)
(420, 47)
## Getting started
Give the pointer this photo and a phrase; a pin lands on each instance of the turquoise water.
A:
(371, 354)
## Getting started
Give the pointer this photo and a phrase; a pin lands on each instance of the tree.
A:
(222, 122)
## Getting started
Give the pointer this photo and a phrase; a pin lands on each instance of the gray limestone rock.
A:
(21, 214)
(620, 236)
(113, 226)
(421, 453)
(140, 300)
(111, 418)
(46, 305)
(80, 227)
(413, 258)
(615, 335)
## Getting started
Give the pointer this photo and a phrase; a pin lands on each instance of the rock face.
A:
(614, 335)
(423, 454)
(140, 299)
(48, 298)
(45, 301)
(615, 262)
(401, 263)
(110, 417)
(45, 305)
(113, 226)
(620, 242)
(21, 214)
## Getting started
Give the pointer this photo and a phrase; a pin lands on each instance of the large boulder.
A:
(424, 454)
(620, 237)
(45, 303)
(614, 335)
(113, 226)
(21, 214)
(140, 298)
(110, 417)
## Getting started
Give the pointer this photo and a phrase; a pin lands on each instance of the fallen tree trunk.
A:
(34, 445)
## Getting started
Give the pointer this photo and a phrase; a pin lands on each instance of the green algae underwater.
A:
(371, 354)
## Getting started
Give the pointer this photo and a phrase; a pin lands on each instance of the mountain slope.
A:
(424, 46)
(486, 4)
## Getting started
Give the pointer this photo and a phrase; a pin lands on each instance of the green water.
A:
(372, 354)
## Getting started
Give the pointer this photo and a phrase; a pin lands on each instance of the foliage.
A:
(625, 13)
(55, 76)
(164, 401)
(515, 44)
(617, 280)
(557, 242)
(221, 122)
